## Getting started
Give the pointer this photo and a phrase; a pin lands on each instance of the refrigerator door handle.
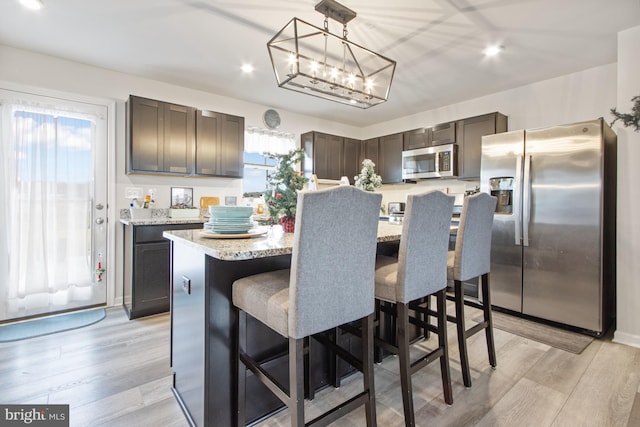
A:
(526, 200)
(517, 191)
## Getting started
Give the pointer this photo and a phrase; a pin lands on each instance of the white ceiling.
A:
(437, 44)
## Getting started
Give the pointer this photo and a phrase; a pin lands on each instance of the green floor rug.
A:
(50, 325)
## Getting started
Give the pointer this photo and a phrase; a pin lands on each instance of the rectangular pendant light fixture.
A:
(311, 60)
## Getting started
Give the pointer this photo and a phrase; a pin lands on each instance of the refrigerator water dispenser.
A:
(502, 188)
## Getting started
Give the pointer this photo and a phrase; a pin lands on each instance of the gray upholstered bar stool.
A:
(419, 271)
(472, 258)
(331, 282)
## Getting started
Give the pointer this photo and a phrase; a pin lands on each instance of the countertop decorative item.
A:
(183, 212)
(140, 213)
(368, 180)
(181, 197)
(283, 185)
(629, 119)
(205, 202)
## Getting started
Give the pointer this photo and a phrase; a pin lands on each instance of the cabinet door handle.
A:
(186, 285)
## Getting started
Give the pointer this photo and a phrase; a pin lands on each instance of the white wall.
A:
(628, 239)
(28, 70)
(579, 96)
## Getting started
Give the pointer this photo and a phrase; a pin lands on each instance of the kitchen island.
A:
(203, 324)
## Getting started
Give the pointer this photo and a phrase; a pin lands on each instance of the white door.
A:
(53, 184)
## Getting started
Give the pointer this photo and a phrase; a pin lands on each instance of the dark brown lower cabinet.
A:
(147, 268)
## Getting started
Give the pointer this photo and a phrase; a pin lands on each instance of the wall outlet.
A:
(133, 193)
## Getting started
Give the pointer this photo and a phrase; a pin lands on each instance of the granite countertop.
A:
(257, 247)
(163, 221)
(161, 217)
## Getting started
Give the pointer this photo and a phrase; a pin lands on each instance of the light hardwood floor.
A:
(116, 373)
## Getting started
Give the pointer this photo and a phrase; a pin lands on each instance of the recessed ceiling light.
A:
(493, 50)
(247, 68)
(32, 4)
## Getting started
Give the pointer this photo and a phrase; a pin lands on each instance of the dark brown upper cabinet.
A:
(331, 156)
(165, 138)
(469, 138)
(351, 163)
(161, 137)
(390, 168)
(444, 133)
(417, 138)
(324, 155)
(371, 151)
(219, 144)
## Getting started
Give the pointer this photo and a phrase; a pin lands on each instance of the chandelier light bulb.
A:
(314, 70)
(369, 84)
(335, 74)
(292, 64)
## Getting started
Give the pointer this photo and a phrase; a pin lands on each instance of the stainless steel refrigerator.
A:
(553, 242)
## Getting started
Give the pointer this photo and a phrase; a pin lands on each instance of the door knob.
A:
(99, 221)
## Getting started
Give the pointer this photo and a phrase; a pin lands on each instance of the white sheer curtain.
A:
(45, 229)
(268, 141)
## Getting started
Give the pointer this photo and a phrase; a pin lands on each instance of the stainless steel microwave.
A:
(430, 162)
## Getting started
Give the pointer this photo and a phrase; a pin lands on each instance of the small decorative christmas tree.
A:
(283, 185)
(368, 180)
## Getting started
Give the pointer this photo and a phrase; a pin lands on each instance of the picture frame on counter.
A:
(182, 197)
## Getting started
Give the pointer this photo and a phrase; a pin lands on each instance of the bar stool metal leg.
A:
(402, 323)
(462, 333)
(241, 343)
(441, 304)
(367, 369)
(296, 381)
(486, 301)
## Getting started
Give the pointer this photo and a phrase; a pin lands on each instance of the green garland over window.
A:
(632, 119)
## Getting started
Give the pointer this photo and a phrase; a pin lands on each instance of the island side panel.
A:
(188, 335)
(262, 343)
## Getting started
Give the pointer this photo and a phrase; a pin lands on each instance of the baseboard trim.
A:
(626, 339)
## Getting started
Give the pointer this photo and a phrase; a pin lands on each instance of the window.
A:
(257, 165)
(256, 168)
